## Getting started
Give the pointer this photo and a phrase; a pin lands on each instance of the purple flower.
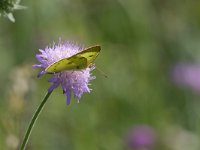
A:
(141, 137)
(75, 82)
(185, 74)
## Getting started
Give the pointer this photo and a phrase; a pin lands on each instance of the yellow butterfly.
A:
(78, 61)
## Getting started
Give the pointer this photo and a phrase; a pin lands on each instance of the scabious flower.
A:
(72, 81)
(187, 74)
(141, 137)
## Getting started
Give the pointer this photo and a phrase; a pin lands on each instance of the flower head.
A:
(187, 74)
(141, 137)
(71, 81)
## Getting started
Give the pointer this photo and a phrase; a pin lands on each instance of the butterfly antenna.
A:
(103, 73)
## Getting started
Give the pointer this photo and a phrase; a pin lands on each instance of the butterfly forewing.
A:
(90, 53)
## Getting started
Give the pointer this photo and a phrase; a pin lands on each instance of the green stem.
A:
(33, 120)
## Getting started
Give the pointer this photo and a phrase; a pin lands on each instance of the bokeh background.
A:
(150, 52)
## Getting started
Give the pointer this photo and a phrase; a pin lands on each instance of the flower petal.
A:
(53, 86)
(41, 73)
(68, 97)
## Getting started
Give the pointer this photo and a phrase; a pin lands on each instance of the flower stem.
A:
(33, 120)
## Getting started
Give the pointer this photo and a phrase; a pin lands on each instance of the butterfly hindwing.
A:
(79, 62)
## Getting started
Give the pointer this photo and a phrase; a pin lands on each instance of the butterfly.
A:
(78, 61)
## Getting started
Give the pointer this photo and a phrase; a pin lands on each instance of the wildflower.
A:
(141, 137)
(185, 74)
(178, 138)
(12, 141)
(71, 81)
(8, 6)
(22, 78)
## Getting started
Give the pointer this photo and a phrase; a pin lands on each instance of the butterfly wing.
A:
(78, 61)
(90, 54)
(71, 63)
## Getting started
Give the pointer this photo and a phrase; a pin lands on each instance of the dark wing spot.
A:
(91, 55)
(77, 67)
(81, 58)
(69, 63)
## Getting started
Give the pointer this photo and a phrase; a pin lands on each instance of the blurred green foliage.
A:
(141, 40)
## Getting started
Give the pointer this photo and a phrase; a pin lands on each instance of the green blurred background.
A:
(141, 42)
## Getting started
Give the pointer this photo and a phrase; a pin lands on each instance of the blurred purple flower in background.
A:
(141, 137)
(186, 74)
(71, 81)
